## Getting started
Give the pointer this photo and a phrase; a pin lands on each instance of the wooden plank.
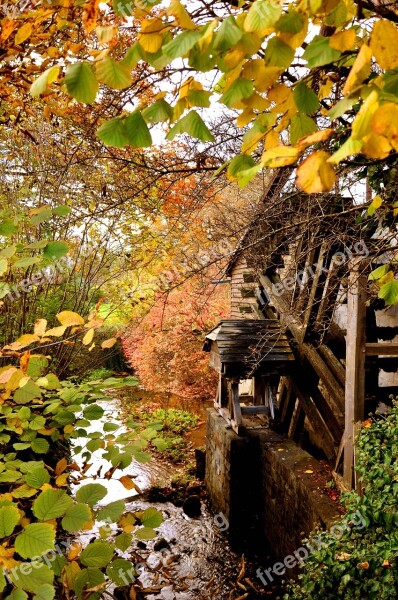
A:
(258, 391)
(286, 406)
(236, 420)
(381, 349)
(317, 423)
(355, 364)
(255, 410)
(333, 362)
(318, 272)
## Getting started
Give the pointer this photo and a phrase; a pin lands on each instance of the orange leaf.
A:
(315, 175)
(109, 343)
(129, 484)
(61, 466)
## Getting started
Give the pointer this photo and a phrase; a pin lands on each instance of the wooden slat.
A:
(355, 364)
(381, 349)
(254, 410)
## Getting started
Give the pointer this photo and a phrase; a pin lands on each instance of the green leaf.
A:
(93, 412)
(111, 427)
(389, 292)
(8, 251)
(145, 533)
(62, 210)
(262, 14)
(26, 262)
(112, 511)
(31, 576)
(38, 422)
(238, 91)
(28, 392)
(17, 595)
(36, 366)
(121, 571)
(228, 35)
(40, 86)
(152, 517)
(158, 112)
(43, 215)
(123, 541)
(9, 476)
(9, 518)
(76, 516)
(91, 494)
(40, 446)
(242, 162)
(97, 554)
(114, 74)
(379, 272)
(113, 133)
(305, 99)
(87, 579)
(300, 126)
(45, 592)
(292, 22)
(7, 227)
(278, 54)
(319, 53)
(35, 540)
(55, 250)
(3, 265)
(137, 132)
(133, 56)
(51, 504)
(193, 125)
(181, 44)
(160, 444)
(37, 477)
(81, 82)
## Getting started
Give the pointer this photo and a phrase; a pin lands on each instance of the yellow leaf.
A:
(69, 428)
(279, 93)
(385, 278)
(315, 138)
(344, 40)
(385, 122)
(56, 331)
(23, 33)
(46, 486)
(6, 558)
(376, 146)
(271, 139)
(359, 70)
(377, 202)
(13, 382)
(88, 338)
(106, 34)
(74, 551)
(27, 340)
(90, 15)
(40, 327)
(69, 318)
(177, 10)
(48, 431)
(128, 483)
(7, 27)
(151, 37)
(280, 156)
(127, 522)
(362, 125)
(245, 117)
(315, 175)
(62, 480)
(308, 471)
(6, 373)
(61, 466)
(384, 44)
(109, 343)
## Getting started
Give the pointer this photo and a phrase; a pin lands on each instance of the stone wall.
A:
(259, 482)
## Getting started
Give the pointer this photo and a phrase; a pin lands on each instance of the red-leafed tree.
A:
(165, 348)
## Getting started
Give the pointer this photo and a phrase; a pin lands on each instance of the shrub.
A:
(362, 563)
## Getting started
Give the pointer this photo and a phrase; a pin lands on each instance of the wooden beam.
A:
(333, 362)
(381, 349)
(355, 364)
(306, 350)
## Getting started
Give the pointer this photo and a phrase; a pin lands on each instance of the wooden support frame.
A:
(355, 364)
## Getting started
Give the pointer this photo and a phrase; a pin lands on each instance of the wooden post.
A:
(258, 391)
(355, 364)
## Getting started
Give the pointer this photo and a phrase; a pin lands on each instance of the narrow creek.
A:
(190, 557)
